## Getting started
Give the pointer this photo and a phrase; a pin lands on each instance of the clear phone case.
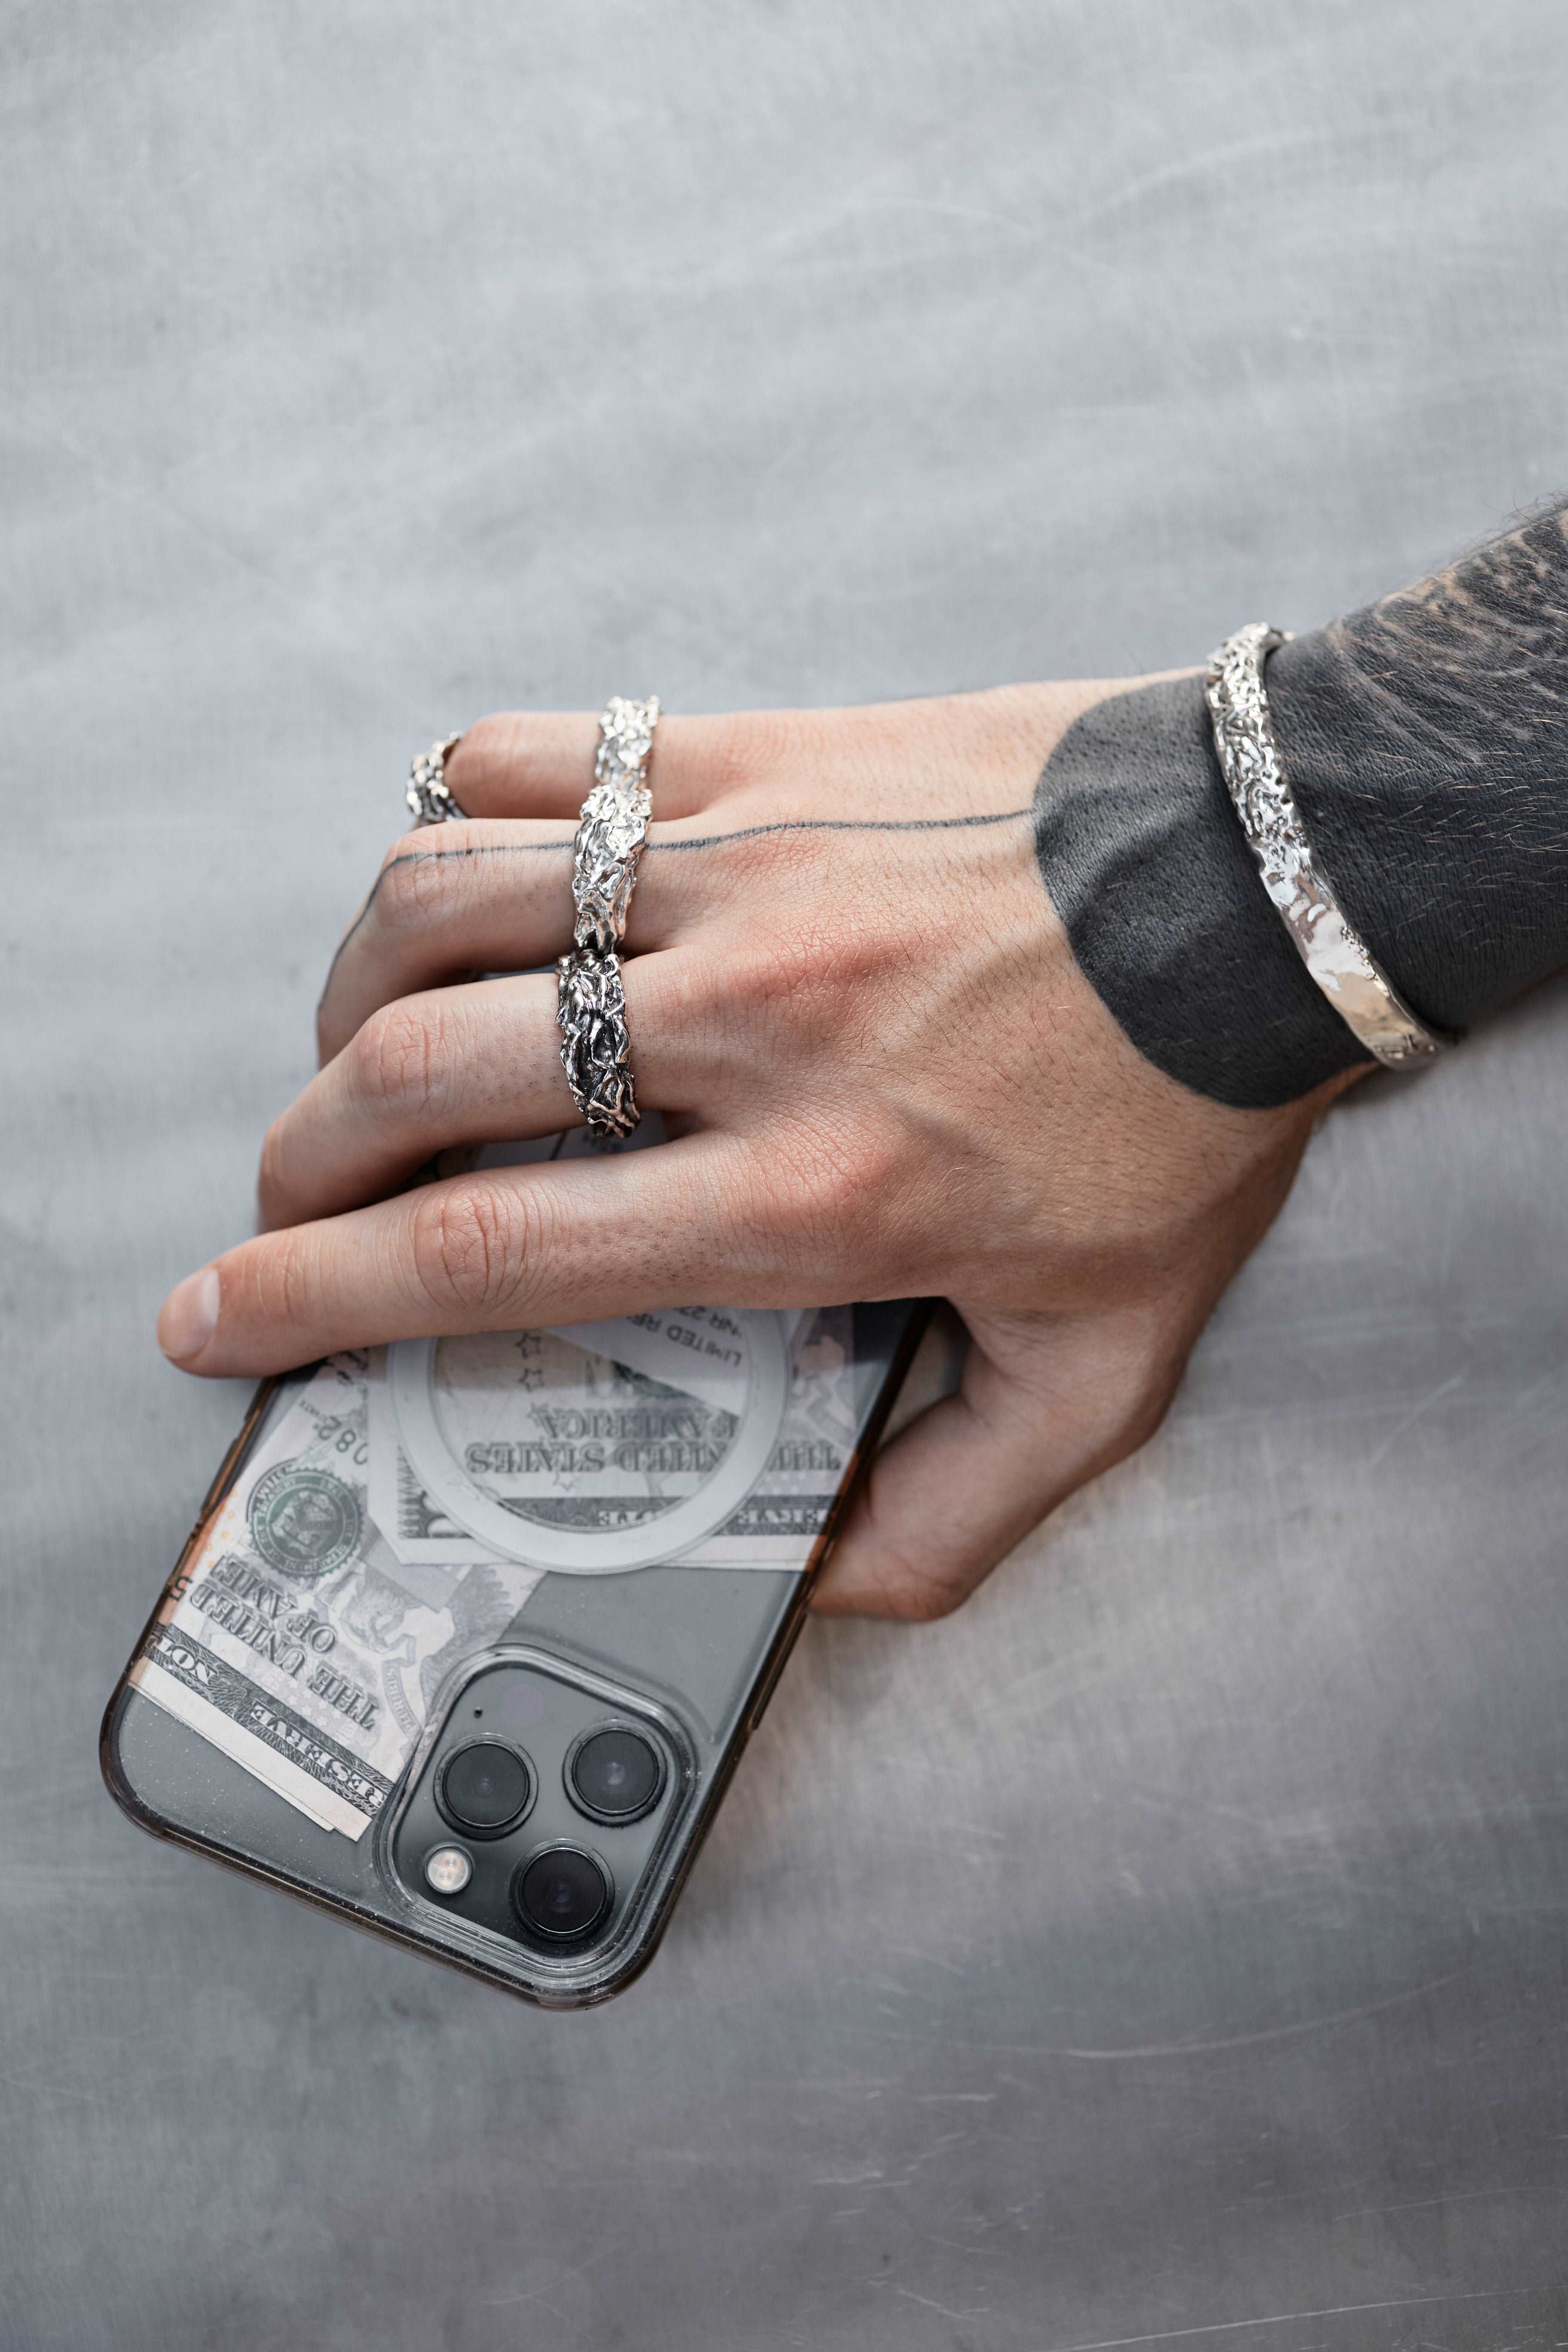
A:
(470, 1633)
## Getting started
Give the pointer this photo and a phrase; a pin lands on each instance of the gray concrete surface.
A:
(1170, 1949)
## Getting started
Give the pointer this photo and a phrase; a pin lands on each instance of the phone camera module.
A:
(614, 1774)
(563, 1894)
(485, 1788)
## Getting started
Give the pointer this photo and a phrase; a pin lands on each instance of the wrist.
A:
(1141, 854)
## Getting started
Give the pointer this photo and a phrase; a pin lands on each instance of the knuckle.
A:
(1152, 1392)
(831, 1193)
(493, 738)
(764, 981)
(410, 885)
(272, 1176)
(478, 1249)
(830, 1190)
(823, 979)
(671, 995)
(771, 984)
(753, 991)
(923, 1601)
(914, 1592)
(676, 1004)
(397, 1060)
(742, 747)
(851, 1182)
(284, 1277)
(1144, 1356)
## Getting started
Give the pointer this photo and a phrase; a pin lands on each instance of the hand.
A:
(883, 1075)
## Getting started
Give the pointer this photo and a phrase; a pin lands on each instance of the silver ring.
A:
(595, 1051)
(1321, 932)
(613, 824)
(590, 1000)
(430, 799)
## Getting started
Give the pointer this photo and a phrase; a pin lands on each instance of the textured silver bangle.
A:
(614, 824)
(1337, 957)
(595, 1051)
(430, 799)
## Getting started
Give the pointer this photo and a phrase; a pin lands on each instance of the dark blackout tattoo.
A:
(1426, 741)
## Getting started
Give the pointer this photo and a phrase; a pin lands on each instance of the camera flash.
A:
(449, 1869)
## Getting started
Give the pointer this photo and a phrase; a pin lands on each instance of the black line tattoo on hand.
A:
(655, 847)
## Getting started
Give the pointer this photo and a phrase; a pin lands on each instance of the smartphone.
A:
(470, 1633)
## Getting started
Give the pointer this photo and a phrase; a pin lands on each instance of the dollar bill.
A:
(601, 1426)
(329, 1597)
(296, 1639)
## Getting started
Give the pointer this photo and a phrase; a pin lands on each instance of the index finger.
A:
(505, 1249)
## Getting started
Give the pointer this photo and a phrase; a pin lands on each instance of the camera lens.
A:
(561, 1892)
(485, 1788)
(614, 1774)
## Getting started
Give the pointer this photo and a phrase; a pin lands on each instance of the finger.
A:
(457, 900)
(507, 1249)
(952, 1495)
(540, 763)
(449, 902)
(480, 1063)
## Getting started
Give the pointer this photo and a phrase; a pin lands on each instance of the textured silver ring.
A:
(590, 998)
(430, 799)
(1328, 943)
(596, 1050)
(613, 824)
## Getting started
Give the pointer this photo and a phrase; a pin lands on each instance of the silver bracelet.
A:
(1334, 953)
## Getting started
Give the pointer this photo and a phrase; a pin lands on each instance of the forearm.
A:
(1425, 742)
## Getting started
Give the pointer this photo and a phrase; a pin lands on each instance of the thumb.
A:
(1047, 1404)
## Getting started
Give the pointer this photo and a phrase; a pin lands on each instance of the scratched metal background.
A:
(1170, 1949)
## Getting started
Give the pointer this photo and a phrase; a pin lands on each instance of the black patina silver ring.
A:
(596, 1050)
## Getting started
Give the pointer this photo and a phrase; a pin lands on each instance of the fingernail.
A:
(190, 1316)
